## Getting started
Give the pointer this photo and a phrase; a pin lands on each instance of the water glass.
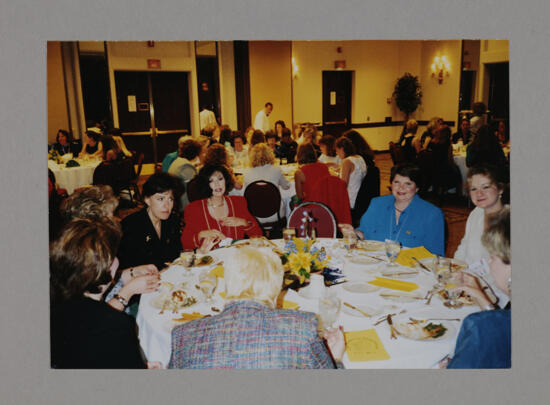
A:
(392, 250)
(288, 234)
(329, 309)
(207, 284)
(284, 161)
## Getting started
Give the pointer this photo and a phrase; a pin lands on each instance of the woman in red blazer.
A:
(217, 217)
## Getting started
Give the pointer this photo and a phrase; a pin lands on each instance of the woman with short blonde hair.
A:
(250, 332)
(261, 155)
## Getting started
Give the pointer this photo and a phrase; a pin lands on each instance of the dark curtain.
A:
(242, 84)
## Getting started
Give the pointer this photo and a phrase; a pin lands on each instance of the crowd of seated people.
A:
(128, 254)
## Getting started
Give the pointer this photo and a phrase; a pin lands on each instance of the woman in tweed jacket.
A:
(250, 332)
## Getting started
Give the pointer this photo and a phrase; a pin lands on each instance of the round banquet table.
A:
(155, 328)
(71, 178)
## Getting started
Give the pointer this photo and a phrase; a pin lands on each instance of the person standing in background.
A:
(207, 118)
(261, 121)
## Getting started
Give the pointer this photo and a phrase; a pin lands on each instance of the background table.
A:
(71, 178)
(155, 328)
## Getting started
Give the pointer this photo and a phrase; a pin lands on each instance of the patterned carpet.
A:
(456, 212)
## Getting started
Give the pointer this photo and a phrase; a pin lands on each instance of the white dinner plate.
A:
(456, 264)
(360, 288)
(415, 331)
(371, 245)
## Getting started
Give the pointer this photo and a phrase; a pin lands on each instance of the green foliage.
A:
(407, 93)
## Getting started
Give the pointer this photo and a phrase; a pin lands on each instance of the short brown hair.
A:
(493, 173)
(80, 259)
(306, 154)
(93, 202)
(328, 141)
(216, 154)
(346, 145)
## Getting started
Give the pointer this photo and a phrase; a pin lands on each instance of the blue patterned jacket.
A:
(250, 335)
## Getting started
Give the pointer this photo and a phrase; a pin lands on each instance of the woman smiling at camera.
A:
(152, 235)
(217, 217)
(486, 190)
(403, 216)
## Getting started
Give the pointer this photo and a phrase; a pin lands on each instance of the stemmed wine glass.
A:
(207, 284)
(392, 250)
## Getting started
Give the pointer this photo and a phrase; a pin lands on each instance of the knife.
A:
(421, 265)
(357, 309)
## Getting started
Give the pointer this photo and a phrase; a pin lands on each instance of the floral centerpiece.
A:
(53, 155)
(301, 259)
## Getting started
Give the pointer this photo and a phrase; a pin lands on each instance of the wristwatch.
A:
(120, 299)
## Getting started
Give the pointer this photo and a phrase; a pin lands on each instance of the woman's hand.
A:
(347, 229)
(335, 342)
(234, 221)
(140, 285)
(208, 244)
(154, 365)
(143, 270)
(211, 233)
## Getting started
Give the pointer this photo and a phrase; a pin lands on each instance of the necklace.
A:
(397, 209)
(210, 203)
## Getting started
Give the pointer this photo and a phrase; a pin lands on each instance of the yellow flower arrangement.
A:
(301, 258)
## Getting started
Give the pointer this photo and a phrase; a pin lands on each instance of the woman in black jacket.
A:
(152, 235)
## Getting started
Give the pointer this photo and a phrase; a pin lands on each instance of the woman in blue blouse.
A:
(403, 216)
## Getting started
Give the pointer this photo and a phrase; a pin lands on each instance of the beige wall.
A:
(270, 75)
(228, 95)
(58, 117)
(376, 66)
(177, 56)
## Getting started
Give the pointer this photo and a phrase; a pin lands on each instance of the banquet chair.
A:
(370, 188)
(128, 177)
(263, 199)
(333, 192)
(324, 222)
(184, 175)
(192, 190)
(397, 154)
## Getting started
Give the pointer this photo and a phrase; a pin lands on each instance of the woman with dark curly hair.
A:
(218, 216)
(152, 235)
(485, 149)
(64, 143)
(85, 331)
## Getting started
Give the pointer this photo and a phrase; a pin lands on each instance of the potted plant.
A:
(407, 94)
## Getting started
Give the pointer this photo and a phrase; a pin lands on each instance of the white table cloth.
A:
(155, 328)
(71, 178)
(460, 161)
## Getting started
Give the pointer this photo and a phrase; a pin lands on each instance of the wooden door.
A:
(336, 102)
(153, 109)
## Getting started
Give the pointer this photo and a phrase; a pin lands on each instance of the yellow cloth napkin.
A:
(365, 345)
(188, 317)
(394, 284)
(217, 271)
(405, 257)
(290, 305)
(222, 294)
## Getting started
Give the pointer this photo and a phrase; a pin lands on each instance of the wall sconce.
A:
(294, 69)
(440, 67)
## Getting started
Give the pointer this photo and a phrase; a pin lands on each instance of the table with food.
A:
(71, 173)
(394, 306)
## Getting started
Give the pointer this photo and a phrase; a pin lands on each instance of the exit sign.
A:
(153, 63)
(339, 64)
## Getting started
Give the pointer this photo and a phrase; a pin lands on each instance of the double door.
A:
(153, 111)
